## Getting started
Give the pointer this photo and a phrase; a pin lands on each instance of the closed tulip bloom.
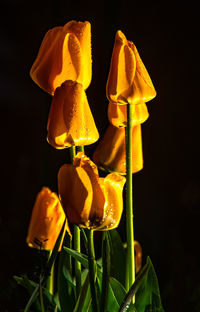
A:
(117, 114)
(110, 154)
(46, 221)
(128, 80)
(70, 119)
(65, 54)
(88, 200)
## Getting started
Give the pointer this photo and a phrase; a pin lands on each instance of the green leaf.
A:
(148, 295)
(66, 287)
(84, 301)
(126, 305)
(117, 256)
(106, 271)
(83, 259)
(112, 303)
(118, 290)
(33, 288)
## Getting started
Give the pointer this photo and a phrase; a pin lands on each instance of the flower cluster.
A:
(128, 84)
(63, 68)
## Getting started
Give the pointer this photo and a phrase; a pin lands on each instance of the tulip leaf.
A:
(112, 302)
(83, 259)
(84, 300)
(106, 271)
(117, 257)
(126, 304)
(66, 287)
(148, 295)
(32, 288)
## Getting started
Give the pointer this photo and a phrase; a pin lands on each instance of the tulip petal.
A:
(65, 54)
(112, 185)
(70, 119)
(97, 207)
(122, 70)
(128, 80)
(76, 193)
(46, 221)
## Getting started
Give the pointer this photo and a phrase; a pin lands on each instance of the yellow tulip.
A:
(128, 80)
(117, 114)
(65, 54)
(70, 119)
(88, 200)
(110, 154)
(46, 221)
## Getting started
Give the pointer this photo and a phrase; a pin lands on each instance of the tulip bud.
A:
(70, 119)
(46, 221)
(110, 154)
(65, 54)
(128, 80)
(88, 200)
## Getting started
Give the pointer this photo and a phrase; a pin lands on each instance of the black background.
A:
(166, 191)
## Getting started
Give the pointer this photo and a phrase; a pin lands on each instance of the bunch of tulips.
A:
(63, 223)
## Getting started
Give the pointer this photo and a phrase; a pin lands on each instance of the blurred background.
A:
(166, 191)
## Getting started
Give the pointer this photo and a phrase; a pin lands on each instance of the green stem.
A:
(130, 263)
(77, 247)
(92, 271)
(50, 281)
(72, 151)
(80, 148)
(77, 240)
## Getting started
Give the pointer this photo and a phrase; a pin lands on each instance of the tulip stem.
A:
(130, 262)
(77, 241)
(50, 281)
(80, 148)
(77, 247)
(92, 271)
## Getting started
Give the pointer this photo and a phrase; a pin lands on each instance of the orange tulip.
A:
(117, 114)
(110, 154)
(128, 80)
(65, 54)
(88, 200)
(46, 221)
(70, 119)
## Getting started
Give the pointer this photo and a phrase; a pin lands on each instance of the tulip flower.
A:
(128, 80)
(65, 54)
(46, 221)
(88, 200)
(70, 119)
(110, 154)
(117, 114)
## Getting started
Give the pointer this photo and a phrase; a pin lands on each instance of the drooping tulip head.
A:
(110, 153)
(46, 221)
(88, 200)
(70, 119)
(128, 80)
(65, 54)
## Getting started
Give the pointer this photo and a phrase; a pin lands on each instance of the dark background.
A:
(167, 190)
